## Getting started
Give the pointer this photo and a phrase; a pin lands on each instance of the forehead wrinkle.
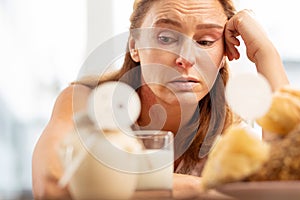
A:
(187, 13)
(179, 21)
(191, 7)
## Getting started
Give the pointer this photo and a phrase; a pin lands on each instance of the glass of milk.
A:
(155, 160)
(97, 166)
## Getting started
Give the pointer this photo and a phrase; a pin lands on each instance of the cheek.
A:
(155, 72)
(156, 56)
(156, 66)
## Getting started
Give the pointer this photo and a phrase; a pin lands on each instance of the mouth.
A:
(185, 80)
(182, 83)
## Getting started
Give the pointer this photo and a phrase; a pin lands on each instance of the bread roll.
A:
(284, 160)
(237, 155)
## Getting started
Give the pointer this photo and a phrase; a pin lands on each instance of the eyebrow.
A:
(168, 21)
(202, 26)
(177, 24)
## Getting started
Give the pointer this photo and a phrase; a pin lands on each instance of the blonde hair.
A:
(135, 4)
(214, 116)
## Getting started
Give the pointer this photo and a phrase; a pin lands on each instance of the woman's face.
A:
(181, 48)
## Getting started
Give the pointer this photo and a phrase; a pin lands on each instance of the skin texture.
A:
(47, 170)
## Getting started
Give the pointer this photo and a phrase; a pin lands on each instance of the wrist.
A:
(268, 63)
(266, 50)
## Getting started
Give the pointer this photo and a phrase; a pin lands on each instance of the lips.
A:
(185, 80)
(184, 83)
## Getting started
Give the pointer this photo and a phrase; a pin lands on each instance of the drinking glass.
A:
(155, 160)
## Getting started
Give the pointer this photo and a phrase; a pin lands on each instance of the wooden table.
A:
(167, 195)
(275, 190)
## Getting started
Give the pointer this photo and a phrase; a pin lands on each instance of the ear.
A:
(133, 51)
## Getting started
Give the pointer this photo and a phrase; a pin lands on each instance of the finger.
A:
(231, 48)
(235, 53)
(229, 54)
(231, 33)
(231, 36)
(232, 52)
(234, 41)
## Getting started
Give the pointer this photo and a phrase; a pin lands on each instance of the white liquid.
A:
(93, 180)
(101, 177)
(156, 170)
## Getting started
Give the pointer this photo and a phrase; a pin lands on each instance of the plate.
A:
(265, 190)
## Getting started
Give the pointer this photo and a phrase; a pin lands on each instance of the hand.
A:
(186, 186)
(244, 24)
(259, 47)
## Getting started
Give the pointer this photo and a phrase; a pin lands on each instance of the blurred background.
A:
(43, 44)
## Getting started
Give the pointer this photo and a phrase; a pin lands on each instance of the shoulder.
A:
(72, 99)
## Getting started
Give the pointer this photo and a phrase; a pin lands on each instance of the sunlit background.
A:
(43, 44)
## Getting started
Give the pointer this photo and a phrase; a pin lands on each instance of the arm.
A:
(260, 49)
(46, 168)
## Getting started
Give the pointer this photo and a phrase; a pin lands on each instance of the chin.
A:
(188, 100)
(183, 99)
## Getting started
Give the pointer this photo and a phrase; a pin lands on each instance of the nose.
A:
(184, 63)
(186, 55)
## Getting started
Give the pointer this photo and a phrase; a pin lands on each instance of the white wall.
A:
(99, 22)
(42, 46)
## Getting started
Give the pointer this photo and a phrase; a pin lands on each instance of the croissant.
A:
(283, 119)
(284, 113)
(284, 160)
(238, 157)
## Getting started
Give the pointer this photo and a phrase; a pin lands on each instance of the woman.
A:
(191, 102)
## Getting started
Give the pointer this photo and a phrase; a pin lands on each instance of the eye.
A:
(167, 38)
(205, 43)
